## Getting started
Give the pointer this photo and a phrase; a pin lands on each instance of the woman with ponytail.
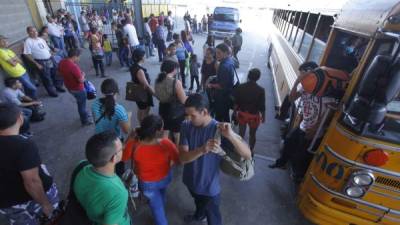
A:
(169, 91)
(140, 76)
(153, 158)
(107, 113)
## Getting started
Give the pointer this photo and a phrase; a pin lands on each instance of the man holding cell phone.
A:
(201, 137)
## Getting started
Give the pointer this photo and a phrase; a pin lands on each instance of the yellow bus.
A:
(354, 177)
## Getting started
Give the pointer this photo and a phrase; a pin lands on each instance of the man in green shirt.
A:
(98, 189)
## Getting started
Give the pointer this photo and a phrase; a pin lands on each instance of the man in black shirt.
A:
(27, 191)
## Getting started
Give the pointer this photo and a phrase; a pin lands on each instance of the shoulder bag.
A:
(234, 165)
(135, 91)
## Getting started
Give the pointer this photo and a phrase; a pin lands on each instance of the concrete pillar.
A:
(38, 12)
(139, 24)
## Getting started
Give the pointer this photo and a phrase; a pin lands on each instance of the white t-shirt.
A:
(84, 23)
(187, 27)
(171, 21)
(313, 109)
(130, 31)
(55, 29)
(12, 96)
(37, 47)
(147, 28)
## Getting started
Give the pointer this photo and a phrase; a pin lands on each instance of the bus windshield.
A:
(389, 130)
(227, 17)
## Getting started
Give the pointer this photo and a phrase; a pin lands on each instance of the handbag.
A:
(176, 108)
(90, 90)
(135, 92)
(234, 165)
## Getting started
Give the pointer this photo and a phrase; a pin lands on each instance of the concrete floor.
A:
(268, 198)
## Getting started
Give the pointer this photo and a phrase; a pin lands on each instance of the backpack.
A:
(38, 113)
(73, 212)
(326, 82)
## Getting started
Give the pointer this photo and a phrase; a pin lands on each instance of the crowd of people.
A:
(183, 132)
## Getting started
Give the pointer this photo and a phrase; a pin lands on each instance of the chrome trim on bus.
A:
(364, 166)
(372, 205)
(376, 185)
(383, 194)
(390, 218)
(365, 142)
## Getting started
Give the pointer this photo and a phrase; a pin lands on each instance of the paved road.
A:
(268, 198)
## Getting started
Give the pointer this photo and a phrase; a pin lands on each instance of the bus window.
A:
(346, 51)
(321, 38)
(300, 30)
(308, 36)
(289, 35)
(290, 24)
(293, 32)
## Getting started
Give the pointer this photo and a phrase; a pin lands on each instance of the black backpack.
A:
(38, 113)
(73, 212)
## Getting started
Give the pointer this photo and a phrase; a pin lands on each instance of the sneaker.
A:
(60, 89)
(277, 165)
(297, 178)
(27, 134)
(53, 95)
(87, 123)
(191, 219)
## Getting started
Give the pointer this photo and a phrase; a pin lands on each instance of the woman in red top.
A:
(153, 158)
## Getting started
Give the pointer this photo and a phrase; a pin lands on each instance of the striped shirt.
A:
(105, 123)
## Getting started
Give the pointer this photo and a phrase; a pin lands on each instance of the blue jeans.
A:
(108, 56)
(47, 75)
(207, 206)
(80, 97)
(29, 87)
(120, 52)
(27, 112)
(58, 42)
(124, 55)
(161, 50)
(155, 192)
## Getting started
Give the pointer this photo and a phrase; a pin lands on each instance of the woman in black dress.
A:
(140, 76)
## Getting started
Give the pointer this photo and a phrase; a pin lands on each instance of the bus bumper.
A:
(221, 34)
(319, 213)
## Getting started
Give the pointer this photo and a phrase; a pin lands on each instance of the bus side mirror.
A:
(376, 70)
(366, 105)
(392, 87)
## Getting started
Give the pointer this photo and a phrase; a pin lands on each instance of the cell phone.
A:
(217, 135)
